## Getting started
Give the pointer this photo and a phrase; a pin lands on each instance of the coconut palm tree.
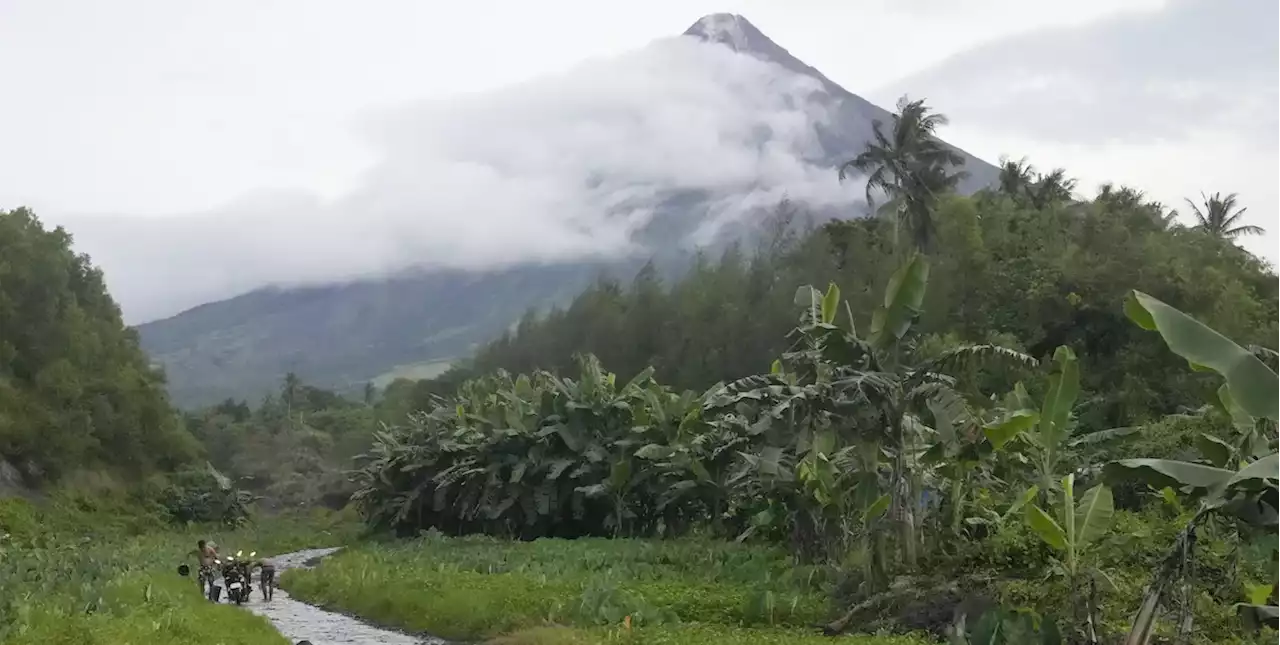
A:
(1050, 189)
(1015, 177)
(909, 165)
(1220, 217)
(1123, 198)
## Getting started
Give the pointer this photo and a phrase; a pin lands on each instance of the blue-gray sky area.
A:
(201, 149)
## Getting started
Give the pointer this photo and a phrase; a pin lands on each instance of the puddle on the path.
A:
(300, 621)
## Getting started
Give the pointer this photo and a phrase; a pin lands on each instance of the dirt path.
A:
(298, 620)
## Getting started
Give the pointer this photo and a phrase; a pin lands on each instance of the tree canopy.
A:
(75, 391)
(1033, 277)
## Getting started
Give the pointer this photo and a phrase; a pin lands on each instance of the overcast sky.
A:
(289, 140)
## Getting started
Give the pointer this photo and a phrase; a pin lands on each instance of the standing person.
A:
(206, 554)
(266, 577)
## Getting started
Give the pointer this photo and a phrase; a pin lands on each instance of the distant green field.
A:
(413, 371)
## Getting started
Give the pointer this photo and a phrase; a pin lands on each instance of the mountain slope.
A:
(344, 335)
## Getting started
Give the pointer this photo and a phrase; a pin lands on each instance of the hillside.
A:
(344, 335)
(76, 393)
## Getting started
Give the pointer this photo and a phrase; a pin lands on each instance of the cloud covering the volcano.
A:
(565, 166)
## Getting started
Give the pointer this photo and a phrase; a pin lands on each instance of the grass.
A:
(72, 574)
(560, 592)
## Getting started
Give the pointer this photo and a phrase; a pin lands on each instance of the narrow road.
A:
(299, 621)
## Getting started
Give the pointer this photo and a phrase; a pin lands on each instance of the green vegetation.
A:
(293, 448)
(472, 588)
(90, 569)
(954, 452)
(983, 429)
(76, 394)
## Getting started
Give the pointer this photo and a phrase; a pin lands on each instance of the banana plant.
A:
(1077, 526)
(1044, 433)
(1248, 493)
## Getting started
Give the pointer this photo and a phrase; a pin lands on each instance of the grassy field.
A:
(73, 573)
(552, 592)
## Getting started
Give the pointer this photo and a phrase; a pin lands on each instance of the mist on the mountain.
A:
(564, 167)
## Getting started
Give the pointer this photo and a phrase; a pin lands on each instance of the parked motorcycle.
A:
(233, 575)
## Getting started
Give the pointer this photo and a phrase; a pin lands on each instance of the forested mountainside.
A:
(415, 323)
(76, 392)
(1033, 274)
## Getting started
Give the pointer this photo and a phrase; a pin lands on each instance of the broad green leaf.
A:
(1239, 418)
(876, 509)
(1257, 594)
(776, 367)
(620, 474)
(824, 442)
(1093, 514)
(1217, 451)
(1068, 507)
(644, 375)
(902, 300)
(811, 300)
(1021, 398)
(1003, 431)
(1045, 526)
(655, 451)
(1064, 388)
(770, 461)
(1253, 385)
(1159, 473)
(830, 303)
(523, 388)
(943, 420)
(1255, 473)
(1171, 498)
(1022, 501)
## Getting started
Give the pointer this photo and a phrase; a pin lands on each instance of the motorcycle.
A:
(233, 575)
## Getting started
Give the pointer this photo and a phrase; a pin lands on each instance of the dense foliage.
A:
(75, 391)
(295, 447)
(905, 435)
(1003, 270)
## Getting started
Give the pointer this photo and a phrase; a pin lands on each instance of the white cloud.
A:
(1172, 102)
(563, 166)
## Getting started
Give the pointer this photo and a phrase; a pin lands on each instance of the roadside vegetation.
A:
(586, 590)
(99, 568)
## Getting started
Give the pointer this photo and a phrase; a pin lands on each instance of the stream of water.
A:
(299, 621)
